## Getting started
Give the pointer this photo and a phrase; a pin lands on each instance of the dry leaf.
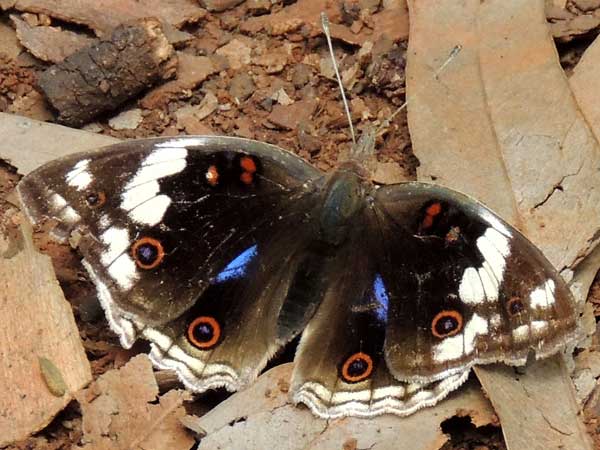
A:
(44, 142)
(241, 421)
(191, 71)
(391, 22)
(120, 411)
(536, 400)
(104, 15)
(50, 44)
(37, 322)
(499, 123)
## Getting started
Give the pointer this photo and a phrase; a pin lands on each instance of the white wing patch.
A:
(521, 333)
(152, 211)
(471, 289)
(116, 258)
(79, 177)
(140, 197)
(58, 201)
(543, 296)
(62, 210)
(480, 285)
(462, 344)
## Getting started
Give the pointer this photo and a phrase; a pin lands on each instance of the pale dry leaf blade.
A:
(27, 143)
(30, 300)
(500, 124)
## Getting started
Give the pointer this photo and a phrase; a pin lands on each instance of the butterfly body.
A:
(220, 250)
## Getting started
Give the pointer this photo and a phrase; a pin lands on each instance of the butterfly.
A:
(221, 250)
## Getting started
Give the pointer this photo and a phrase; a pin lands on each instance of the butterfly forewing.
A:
(464, 286)
(159, 219)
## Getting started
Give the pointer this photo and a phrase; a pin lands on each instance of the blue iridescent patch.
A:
(238, 266)
(382, 298)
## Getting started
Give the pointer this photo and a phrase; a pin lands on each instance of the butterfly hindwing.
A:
(464, 286)
(340, 363)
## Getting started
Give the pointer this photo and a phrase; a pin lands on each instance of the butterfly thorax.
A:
(344, 199)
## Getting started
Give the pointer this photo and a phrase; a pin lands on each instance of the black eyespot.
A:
(95, 199)
(147, 252)
(357, 367)
(204, 332)
(515, 306)
(446, 323)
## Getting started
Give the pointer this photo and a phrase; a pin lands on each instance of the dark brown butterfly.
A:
(219, 251)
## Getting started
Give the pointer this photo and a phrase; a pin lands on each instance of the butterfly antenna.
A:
(455, 51)
(325, 25)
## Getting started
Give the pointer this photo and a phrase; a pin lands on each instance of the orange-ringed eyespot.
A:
(446, 323)
(147, 252)
(515, 306)
(204, 332)
(95, 199)
(357, 367)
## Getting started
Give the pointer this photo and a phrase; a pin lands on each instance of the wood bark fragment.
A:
(101, 77)
(37, 322)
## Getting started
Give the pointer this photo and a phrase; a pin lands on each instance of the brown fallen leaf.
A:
(500, 123)
(241, 421)
(104, 15)
(585, 86)
(37, 322)
(392, 22)
(51, 44)
(293, 115)
(9, 44)
(120, 411)
(567, 24)
(536, 400)
(191, 71)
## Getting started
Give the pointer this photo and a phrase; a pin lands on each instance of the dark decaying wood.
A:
(102, 76)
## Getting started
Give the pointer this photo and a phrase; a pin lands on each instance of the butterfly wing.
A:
(340, 368)
(160, 219)
(464, 287)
